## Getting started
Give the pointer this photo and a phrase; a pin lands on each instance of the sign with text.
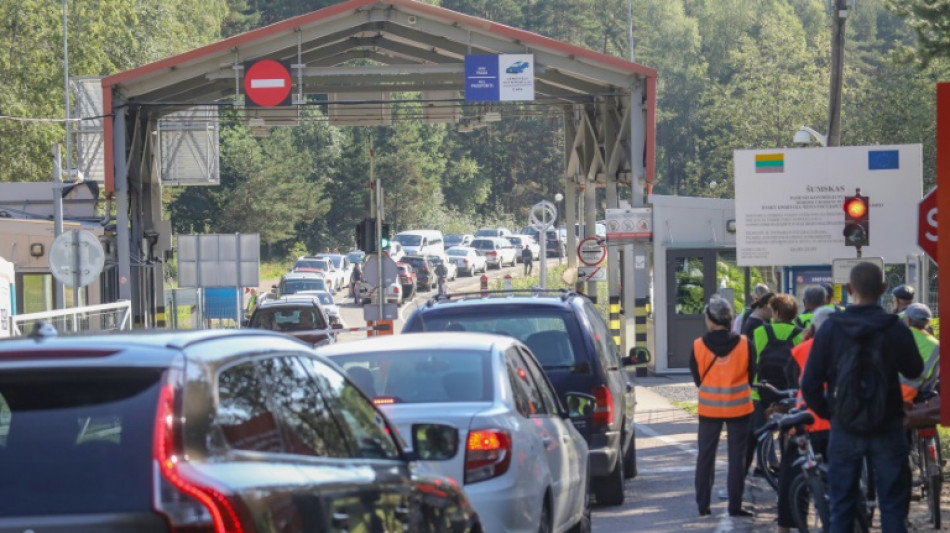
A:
(629, 224)
(789, 202)
(841, 268)
(499, 78)
(927, 225)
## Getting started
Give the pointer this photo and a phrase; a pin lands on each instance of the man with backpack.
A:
(773, 359)
(851, 378)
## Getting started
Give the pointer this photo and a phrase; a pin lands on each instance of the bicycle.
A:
(926, 461)
(770, 440)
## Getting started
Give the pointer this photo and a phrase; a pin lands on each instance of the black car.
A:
(574, 346)
(554, 246)
(206, 431)
(300, 315)
(425, 270)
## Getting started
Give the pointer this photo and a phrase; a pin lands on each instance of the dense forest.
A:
(732, 74)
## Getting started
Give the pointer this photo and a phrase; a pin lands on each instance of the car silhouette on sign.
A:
(517, 67)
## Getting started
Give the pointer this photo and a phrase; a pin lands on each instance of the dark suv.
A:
(205, 431)
(425, 270)
(571, 341)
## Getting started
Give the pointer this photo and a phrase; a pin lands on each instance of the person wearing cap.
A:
(818, 431)
(722, 365)
(830, 297)
(917, 317)
(903, 296)
(813, 299)
(758, 292)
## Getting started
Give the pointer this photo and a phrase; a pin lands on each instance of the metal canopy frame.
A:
(608, 106)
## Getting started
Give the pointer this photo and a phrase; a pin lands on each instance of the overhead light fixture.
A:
(731, 225)
(36, 249)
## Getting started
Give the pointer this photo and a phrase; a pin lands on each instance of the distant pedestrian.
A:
(527, 258)
(251, 303)
(903, 297)
(851, 378)
(355, 279)
(722, 366)
(758, 292)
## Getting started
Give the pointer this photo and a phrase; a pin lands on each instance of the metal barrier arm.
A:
(124, 322)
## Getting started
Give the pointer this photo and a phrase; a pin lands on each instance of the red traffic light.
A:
(856, 207)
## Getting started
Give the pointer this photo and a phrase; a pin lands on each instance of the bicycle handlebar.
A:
(783, 393)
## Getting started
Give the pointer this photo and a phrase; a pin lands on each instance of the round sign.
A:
(76, 258)
(267, 83)
(591, 252)
(543, 215)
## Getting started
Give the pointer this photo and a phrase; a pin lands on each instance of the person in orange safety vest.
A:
(723, 366)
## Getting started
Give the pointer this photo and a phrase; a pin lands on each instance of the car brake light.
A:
(491, 253)
(384, 400)
(487, 454)
(603, 405)
(187, 504)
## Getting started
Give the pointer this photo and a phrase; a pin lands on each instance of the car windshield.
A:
(452, 240)
(416, 262)
(547, 332)
(422, 376)
(483, 244)
(486, 233)
(355, 257)
(292, 286)
(77, 441)
(309, 264)
(337, 260)
(515, 240)
(457, 251)
(408, 240)
(325, 298)
(286, 318)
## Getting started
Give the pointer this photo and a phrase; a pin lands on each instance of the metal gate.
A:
(691, 281)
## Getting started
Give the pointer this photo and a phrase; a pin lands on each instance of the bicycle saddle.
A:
(802, 418)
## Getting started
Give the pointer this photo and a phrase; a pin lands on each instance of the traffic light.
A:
(386, 238)
(857, 229)
(366, 235)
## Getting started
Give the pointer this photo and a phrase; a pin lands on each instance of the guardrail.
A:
(115, 316)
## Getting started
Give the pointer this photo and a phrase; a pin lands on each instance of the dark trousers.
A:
(737, 433)
(888, 457)
(787, 472)
(756, 421)
(527, 265)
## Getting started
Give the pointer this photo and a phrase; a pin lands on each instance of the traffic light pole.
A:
(381, 290)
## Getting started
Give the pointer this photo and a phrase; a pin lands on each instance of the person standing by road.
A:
(722, 366)
(859, 349)
(441, 271)
(527, 258)
(355, 279)
(917, 316)
(903, 297)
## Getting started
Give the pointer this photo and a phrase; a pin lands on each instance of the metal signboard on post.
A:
(629, 225)
(219, 260)
(591, 251)
(267, 83)
(591, 273)
(927, 224)
(789, 202)
(841, 268)
(543, 215)
(76, 258)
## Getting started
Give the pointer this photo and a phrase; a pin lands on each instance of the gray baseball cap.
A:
(918, 311)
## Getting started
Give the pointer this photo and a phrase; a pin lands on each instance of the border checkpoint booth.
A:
(607, 105)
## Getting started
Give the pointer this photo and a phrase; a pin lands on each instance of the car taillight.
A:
(491, 253)
(603, 405)
(465, 261)
(187, 502)
(384, 400)
(487, 454)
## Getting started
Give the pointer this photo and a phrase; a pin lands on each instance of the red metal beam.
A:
(943, 245)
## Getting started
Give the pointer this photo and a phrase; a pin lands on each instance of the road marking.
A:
(669, 440)
(725, 523)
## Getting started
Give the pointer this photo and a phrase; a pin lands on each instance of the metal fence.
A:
(104, 317)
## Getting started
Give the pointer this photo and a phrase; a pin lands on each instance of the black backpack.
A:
(776, 364)
(860, 396)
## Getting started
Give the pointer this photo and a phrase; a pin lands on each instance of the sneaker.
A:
(741, 512)
(704, 512)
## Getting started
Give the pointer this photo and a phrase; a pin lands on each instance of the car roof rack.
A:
(565, 294)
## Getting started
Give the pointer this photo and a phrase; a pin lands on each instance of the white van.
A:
(421, 242)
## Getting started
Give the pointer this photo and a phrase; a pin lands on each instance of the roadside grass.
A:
(689, 406)
(944, 433)
(273, 269)
(554, 282)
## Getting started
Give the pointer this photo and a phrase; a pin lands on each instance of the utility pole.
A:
(839, 16)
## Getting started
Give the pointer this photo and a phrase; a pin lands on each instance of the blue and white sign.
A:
(494, 78)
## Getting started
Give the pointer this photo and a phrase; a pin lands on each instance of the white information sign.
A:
(591, 273)
(629, 224)
(841, 268)
(515, 77)
(789, 202)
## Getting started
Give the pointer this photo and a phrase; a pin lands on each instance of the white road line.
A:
(671, 441)
(264, 83)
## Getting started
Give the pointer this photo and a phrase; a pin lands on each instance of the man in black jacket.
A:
(887, 447)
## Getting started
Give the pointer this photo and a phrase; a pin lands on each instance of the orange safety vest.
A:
(724, 390)
(800, 353)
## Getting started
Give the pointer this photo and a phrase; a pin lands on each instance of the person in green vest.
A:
(830, 297)
(917, 317)
(813, 299)
(773, 343)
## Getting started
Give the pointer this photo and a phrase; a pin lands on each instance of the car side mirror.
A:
(579, 406)
(638, 356)
(434, 442)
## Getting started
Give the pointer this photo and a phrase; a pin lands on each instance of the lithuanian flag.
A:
(769, 163)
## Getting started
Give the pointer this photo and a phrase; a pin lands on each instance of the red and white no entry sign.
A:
(267, 83)
(591, 252)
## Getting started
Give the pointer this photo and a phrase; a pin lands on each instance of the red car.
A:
(408, 280)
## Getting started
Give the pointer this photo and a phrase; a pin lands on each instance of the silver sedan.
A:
(521, 461)
(467, 260)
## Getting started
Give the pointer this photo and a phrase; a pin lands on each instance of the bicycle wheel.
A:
(934, 485)
(933, 479)
(767, 458)
(802, 501)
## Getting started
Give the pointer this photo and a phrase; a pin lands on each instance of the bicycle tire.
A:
(819, 498)
(934, 485)
(766, 459)
(800, 502)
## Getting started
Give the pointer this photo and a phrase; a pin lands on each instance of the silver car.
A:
(522, 463)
